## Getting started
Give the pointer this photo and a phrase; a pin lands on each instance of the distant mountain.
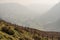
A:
(51, 19)
(16, 13)
(55, 26)
(21, 15)
(39, 8)
(52, 15)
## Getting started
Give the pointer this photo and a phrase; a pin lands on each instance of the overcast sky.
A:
(27, 2)
(40, 6)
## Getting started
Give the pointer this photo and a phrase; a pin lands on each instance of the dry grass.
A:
(10, 31)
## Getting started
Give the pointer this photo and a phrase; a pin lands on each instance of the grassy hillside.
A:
(10, 31)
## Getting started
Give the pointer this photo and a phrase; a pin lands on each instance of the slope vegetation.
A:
(10, 31)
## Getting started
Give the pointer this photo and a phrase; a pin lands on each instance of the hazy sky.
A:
(27, 2)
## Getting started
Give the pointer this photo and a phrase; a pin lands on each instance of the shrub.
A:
(36, 38)
(8, 31)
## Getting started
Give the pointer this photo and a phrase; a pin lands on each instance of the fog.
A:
(33, 14)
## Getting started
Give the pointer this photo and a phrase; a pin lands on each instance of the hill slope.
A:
(10, 31)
